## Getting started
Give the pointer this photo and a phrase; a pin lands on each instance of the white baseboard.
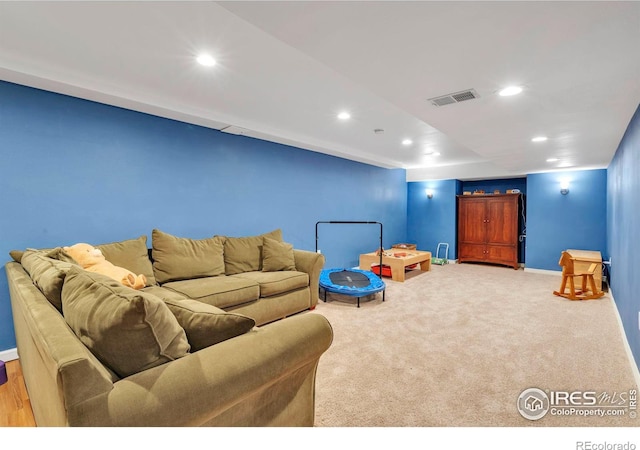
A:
(543, 271)
(9, 355)
(632, 361)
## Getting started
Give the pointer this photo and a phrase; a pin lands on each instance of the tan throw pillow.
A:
(277, 256)
(177, 258)
(206, 325)
(51, 252)
(47, 273)
(127, 330)
(16, 255)
(132, 254)
(244, 254)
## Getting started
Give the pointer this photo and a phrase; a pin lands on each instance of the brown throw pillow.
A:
(206, 325)
(277, 256)
(127, 330)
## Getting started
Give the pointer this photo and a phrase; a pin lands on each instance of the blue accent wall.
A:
(557, 222)
(433, 220)
(79, 171)
(623, 224)
(74, 170)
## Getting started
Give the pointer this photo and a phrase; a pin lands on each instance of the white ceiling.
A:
(285, 69)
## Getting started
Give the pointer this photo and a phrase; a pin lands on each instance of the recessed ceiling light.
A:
(552, 159)
(510, 90)
(206, 60)
(407, 142)
(539, 139)
(344, 116)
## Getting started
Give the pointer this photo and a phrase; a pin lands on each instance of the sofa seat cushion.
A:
(164, 294)
(274, 283)
(127, 330)
(221, 291)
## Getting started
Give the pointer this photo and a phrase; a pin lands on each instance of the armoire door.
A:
(472, 221)
(502, 221)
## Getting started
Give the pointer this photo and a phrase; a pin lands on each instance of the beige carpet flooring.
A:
(456, 346)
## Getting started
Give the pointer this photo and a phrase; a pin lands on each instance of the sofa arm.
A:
(262, 378)
(58, 369)
(311, 263)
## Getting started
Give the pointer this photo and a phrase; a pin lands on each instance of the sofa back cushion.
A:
(206, 325)
(177, 258)
(132, 254)
(244, 254)
(127, 330)
(47, 273)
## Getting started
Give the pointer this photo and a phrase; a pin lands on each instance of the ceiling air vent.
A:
(456, 97)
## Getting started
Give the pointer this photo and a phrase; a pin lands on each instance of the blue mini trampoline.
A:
(352, 282)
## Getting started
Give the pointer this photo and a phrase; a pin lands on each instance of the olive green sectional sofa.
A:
(201, 345)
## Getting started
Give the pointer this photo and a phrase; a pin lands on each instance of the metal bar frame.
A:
(351, 222)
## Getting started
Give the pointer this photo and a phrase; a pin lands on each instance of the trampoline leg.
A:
(383, 295)
(325, 295)
(358, 302)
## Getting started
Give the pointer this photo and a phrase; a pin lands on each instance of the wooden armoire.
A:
(488, 228)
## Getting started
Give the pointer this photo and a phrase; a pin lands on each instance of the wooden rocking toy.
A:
(588, 286)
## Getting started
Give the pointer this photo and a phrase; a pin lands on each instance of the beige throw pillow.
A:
(47, 273)
(127, 330)
(177, 258)
(277, 256)
(17, 255)
(244, 254)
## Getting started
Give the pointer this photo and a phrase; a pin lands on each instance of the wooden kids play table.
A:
(397, 260)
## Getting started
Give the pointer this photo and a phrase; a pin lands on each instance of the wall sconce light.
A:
(564, 187)
(429, 193)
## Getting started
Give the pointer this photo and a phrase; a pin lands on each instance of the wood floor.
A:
(15, 407)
